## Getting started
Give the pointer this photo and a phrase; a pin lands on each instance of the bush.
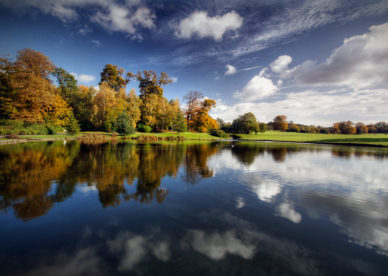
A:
(123, 124)
(143, 128)
(218, 133)
(53, 129)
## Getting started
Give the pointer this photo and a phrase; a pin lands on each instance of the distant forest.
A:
(36, 97)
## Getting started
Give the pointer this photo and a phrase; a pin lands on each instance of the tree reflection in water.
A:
(35, 176)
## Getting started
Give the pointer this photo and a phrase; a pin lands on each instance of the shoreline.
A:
(29, 139)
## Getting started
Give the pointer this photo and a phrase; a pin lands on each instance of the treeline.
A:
(346, 127)
(247, 123)
(31, 103)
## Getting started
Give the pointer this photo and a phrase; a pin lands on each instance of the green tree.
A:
(8, 93)
(124, 124)
(67, 85)
(246, 123)
(113, 76)
(73, 126)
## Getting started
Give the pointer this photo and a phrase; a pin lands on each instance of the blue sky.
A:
(315, 61)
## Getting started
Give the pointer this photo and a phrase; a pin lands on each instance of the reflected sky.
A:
(211, 208)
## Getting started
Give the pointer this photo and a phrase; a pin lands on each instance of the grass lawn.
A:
(365, 139)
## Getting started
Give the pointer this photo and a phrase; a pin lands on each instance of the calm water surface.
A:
(193, 209)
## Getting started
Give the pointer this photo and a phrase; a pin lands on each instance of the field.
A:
(364, 139)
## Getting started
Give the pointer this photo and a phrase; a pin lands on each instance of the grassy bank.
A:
(362, 139)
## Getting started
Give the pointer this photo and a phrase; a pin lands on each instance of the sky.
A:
(315, 61)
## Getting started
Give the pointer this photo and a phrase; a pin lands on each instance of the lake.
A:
(193, 208)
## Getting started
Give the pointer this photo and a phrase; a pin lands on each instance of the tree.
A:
(67, 85)
(151, 93)
(73, 126)
(37, 100)
(179, 123)
(133, 107)
(150, 83)
(192, 106)
(8, 93)
(201, 120)
(361, 128)
(280, 123)
(124, 124)
(112, 75)
(84, 107)
(347, 127)
(246, 123)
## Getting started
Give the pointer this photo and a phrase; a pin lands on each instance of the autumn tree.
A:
(114, 77)
(37, 100)
(151, 95)
(280, 123)
(192, 106)
(361, 128)
(347, 127)
(202, 120)
(246, 123)
(84, 107)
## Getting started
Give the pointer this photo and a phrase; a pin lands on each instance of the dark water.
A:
(193, 209)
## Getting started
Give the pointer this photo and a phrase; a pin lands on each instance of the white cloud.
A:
(200, 24)
(84, 78)
(217, 245)
(359, 62)
(133, 249)
(174, 79)
(125, 19)
(230, 70)
(302, 16)
(280, 65)
(257, 88)
(96, 43)
(110, 14)
(287, 211)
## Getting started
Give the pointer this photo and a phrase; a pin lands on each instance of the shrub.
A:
(218, 133)
(143, 128)
(53, 129)
(12, 136)
(123, 124)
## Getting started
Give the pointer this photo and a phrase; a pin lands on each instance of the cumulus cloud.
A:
(359, 62)
(280, 65)
(200, 24)
(123, 19)
(84, 78)
(257, 88)
(217, 245)
(230, 70)
(174, 79)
